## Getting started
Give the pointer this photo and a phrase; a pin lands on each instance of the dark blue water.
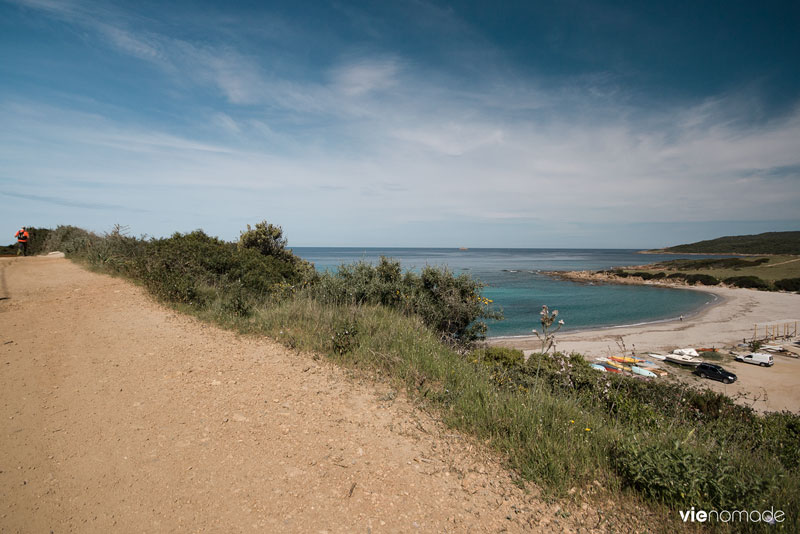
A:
(515, 283)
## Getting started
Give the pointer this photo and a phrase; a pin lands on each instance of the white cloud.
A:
(365, 76)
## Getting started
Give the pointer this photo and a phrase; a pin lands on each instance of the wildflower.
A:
(572, 421)
(561, 321)
(588, 429)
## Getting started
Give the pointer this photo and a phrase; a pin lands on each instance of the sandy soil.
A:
(724, 324)
(119, 415)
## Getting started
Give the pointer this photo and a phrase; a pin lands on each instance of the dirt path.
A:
(119, 415)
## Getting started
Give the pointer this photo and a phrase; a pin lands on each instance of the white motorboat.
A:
(682, 359)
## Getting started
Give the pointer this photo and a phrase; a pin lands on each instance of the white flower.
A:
(534, 331)
(555, 313)
(561, 321)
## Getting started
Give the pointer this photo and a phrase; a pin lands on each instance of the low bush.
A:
(788, 284)
(451, 305)
(704, 279)
(644, 275)
(752, 282)
(713, 263)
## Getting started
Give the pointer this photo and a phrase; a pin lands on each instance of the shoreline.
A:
(602, 278)
(722, 324)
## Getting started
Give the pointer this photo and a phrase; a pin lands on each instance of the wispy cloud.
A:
(365, 76)
(59, 201)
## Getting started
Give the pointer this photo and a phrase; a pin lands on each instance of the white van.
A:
(757, 358)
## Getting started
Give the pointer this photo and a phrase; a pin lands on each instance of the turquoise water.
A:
(516, 285)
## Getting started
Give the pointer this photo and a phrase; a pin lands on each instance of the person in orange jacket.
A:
(22, 241)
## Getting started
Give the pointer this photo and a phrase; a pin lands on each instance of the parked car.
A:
(757, 358)
(714, 372)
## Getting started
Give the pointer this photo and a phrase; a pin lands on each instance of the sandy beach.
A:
(725, 323)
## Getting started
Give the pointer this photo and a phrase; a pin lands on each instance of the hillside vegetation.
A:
(772, 273)
(766, 243)
(557, 421)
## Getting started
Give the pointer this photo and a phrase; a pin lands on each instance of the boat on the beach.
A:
(682, 359)
(598, 367)
(686, 352)
(618, 365)
(657, 356)
(642, 372)
(624, 359)
(652, 367)
(607, 366)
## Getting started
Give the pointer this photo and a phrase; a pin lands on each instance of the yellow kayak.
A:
(619, 365)
(625, 359)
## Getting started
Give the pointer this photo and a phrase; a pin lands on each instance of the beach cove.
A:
(728, 321)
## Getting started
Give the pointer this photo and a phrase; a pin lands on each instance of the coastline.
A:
(722, 325)
(725, 322)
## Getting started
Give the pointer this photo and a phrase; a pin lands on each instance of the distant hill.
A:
(766, 243)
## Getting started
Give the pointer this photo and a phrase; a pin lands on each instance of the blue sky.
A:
(409, 123)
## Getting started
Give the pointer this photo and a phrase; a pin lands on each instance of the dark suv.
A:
(715, 372)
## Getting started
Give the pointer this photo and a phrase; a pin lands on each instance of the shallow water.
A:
(515, 283)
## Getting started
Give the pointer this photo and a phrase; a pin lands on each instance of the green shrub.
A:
(752, 282)
(174, 268)
(500, 355)
(450, 304)
(713, 263)
(70, 240)
(788, 284)
(704, 279)
(679, 474)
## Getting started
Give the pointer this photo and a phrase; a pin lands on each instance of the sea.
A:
(515, 280)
